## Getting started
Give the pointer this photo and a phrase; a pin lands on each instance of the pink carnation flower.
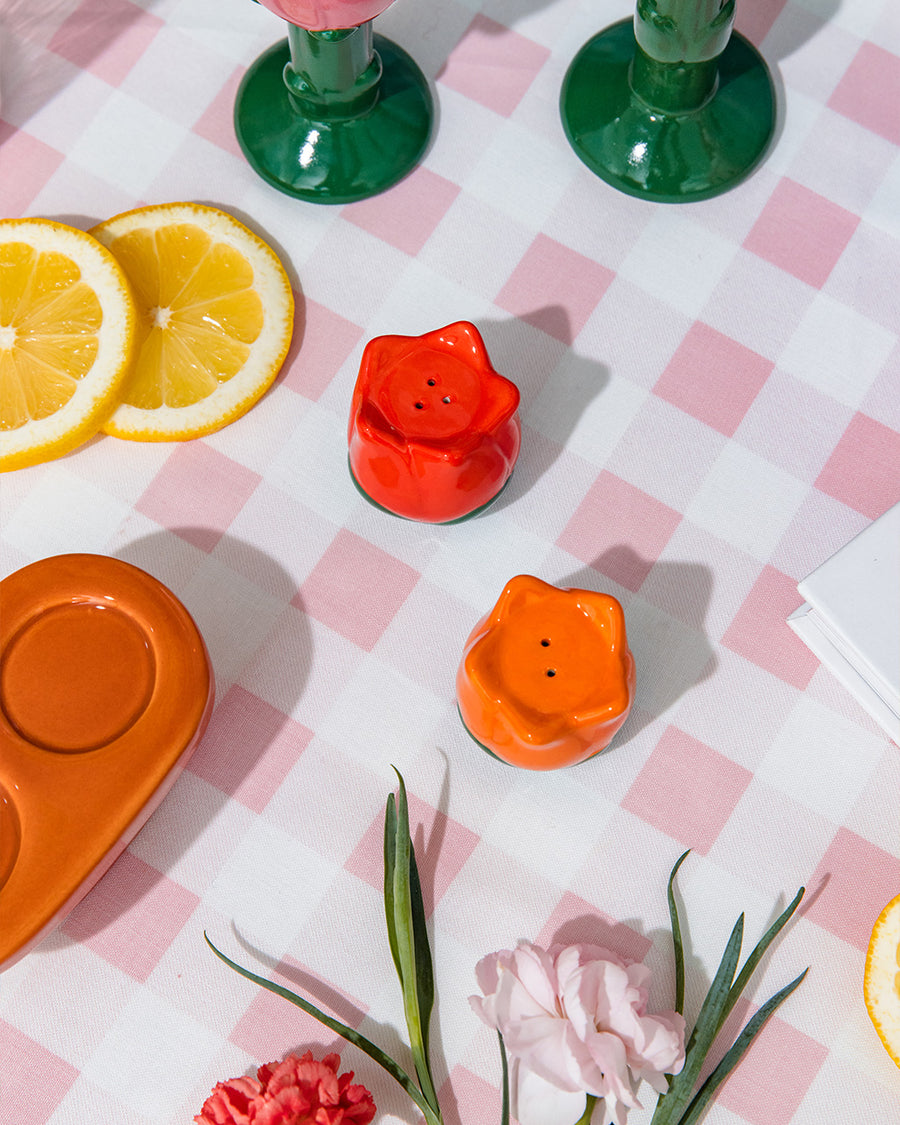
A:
(298, 1091)
(576, 1018)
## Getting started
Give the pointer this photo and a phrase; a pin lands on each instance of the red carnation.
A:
(298, 1091)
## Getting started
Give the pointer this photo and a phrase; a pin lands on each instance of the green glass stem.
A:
(333, 116)
(673, 87)
(678, 43)
(672, 106)
(334, 75)
(683, 31)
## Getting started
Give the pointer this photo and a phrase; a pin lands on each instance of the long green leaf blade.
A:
(342, 1029)
(705, 1030)
(758, 952)
(424, 968)
(390, 860)
(734, 1055)
(676, 935)
(408, 947)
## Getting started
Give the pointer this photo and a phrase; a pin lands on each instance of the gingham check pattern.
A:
(710, 406)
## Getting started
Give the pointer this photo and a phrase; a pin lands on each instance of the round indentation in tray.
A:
(77, 676)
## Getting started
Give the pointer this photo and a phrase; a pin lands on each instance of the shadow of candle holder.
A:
(39, 43)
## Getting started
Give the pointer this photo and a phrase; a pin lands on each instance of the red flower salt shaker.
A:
(547, 677)
(434, 432)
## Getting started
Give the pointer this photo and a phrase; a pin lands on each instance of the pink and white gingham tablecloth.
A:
(710, 406)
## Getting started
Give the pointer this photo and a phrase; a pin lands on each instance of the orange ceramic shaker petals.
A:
(434, 432)
(547, 677)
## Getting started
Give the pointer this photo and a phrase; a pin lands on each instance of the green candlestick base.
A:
(333, 116)
(672, 154)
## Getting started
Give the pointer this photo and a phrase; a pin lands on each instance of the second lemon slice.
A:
(881, 984)
(216, 318)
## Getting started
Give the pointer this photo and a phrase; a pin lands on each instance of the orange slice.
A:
(216, 315)
(67, 334)
(881, 984)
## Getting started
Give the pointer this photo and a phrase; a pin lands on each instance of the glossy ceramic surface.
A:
(672, 106)
(547, 677)
(333, 116)
(434, 431)
(105, 691)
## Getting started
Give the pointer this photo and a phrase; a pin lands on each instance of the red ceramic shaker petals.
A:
(434, 432)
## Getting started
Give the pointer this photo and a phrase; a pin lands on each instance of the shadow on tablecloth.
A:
(239, 598)
(666, 634)
(44, 46)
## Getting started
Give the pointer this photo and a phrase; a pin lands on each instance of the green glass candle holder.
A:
(672, 106)
(333, 116)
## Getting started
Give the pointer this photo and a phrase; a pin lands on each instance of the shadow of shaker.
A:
(665, 607)
(554, 382)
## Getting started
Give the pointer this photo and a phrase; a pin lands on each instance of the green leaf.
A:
(733, 1056)
(669, 1109)
(715, 1011)
(424, 968)
(413, 951)
(348, 1033)
(504, 1066)
(676, 935)
(756, 956)
(390, 859)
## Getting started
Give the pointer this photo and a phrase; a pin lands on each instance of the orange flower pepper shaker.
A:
(547, 677)
(434, 432)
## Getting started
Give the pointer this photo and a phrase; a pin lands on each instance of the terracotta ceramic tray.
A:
(105, 691)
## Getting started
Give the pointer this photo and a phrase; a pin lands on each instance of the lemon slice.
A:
(216, 315)
(67, 333)
(881, 983)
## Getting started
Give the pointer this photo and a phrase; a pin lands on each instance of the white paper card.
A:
(851, 619)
